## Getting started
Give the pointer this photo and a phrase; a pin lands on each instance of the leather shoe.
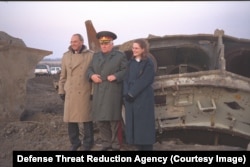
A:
(115, 149)
(106, 149)
(86, 148)
(75, 147)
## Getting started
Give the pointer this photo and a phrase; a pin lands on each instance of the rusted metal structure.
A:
(202, 86)
(17, 64)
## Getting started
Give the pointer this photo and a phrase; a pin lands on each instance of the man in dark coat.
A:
(107, 71)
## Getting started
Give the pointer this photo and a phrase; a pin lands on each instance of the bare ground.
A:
(41, 127)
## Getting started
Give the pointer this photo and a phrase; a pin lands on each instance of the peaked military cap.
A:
(106, 36)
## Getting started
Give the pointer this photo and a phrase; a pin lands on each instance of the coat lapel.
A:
(101, 60)
(76, 59)
(141, 68)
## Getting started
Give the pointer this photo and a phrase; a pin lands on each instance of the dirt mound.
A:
(42, 128)
(16, 67)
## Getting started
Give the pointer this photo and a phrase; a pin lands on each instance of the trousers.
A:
(88, 134)
(108, 132)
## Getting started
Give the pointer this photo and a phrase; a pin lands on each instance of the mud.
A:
(41, 127)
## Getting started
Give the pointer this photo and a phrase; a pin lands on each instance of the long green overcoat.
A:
(74, 83)
(107, 96)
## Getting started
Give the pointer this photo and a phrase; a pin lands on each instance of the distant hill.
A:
(51, 62)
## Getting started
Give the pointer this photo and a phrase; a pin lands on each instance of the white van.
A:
(55, 70)
(42, 69)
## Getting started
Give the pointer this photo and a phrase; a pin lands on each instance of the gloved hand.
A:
(62, 96)
(129, 98)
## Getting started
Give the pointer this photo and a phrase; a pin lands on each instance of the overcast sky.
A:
(50, 25)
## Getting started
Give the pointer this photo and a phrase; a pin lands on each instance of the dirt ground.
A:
(41, 127)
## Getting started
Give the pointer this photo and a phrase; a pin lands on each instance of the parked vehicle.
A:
(42, 69)
(55, 70)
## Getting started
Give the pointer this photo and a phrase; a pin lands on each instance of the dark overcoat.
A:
(76, 86)
(107, 96)
(139, 115)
